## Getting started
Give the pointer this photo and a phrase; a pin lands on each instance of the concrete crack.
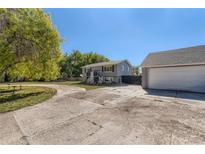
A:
(93, 133)
(24, 137)
(94, 123)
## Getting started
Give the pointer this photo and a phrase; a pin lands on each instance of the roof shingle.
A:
(106, 63)
(183, 56)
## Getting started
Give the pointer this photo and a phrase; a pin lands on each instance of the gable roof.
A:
(106, 63)
(184, 56)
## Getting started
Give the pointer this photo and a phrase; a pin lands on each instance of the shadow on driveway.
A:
(176, 94)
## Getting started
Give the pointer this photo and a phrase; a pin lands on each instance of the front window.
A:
(123, 68)
(108, 68)
(128, 68)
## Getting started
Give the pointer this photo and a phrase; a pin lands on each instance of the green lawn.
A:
(80, 84)
(68, 83)
(27, 96)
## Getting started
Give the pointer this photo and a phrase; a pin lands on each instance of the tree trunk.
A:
(6, 77)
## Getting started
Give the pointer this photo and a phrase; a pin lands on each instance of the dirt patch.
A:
(95, 96)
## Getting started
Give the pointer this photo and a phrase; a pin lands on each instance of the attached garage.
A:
(181, 69)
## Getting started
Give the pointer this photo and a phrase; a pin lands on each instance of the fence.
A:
(131, 79)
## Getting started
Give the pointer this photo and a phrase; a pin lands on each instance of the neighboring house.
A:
(106, 72)
(180, 69)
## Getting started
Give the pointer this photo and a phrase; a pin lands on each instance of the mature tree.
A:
(76, 61)
(137, 70)
(90, 57)
(71, 63)
(65, 67)
(29, 44)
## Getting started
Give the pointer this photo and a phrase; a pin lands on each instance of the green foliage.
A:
(137, 70)
(76, 62)
(71, 64)
(90, 58)
(29, 44)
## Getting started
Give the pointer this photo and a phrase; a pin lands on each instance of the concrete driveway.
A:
(112, 115)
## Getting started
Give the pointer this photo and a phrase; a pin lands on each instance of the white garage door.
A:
(188, 78)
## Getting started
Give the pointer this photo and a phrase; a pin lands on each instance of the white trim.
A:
(174, 65)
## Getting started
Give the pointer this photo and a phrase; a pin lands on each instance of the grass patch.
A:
(68, 83)
(81, 85)
(29, 95)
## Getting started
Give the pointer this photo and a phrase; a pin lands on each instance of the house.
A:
(106, 72)
(180, 69)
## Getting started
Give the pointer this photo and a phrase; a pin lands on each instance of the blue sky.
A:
(128, 33)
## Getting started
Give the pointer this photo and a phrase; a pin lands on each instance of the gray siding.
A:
(126, 71)
(144, 77)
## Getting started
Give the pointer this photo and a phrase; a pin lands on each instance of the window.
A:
(128, 68)
(109, 68)
(123, 67)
